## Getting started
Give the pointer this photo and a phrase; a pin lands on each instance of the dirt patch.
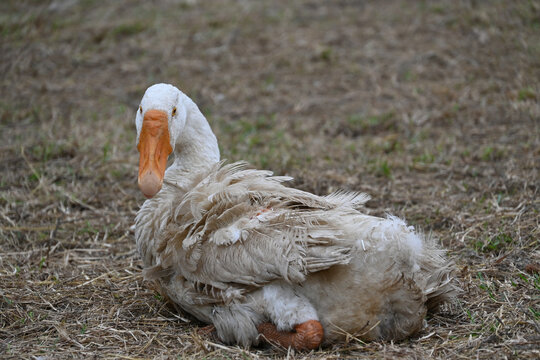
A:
(433, 108)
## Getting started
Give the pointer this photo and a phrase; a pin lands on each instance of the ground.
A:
(431, 107)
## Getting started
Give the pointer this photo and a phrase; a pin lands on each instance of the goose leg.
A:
(306, 336)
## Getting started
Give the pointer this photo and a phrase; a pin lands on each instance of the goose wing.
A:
(238, 229)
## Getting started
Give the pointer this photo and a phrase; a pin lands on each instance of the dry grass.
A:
(431, 107)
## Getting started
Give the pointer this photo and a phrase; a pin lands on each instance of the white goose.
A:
(258, 260)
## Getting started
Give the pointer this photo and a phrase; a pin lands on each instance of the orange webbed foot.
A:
(306, 336)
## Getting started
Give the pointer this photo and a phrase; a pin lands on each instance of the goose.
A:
(261, 262)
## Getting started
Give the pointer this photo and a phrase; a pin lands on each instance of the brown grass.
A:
(431, 107)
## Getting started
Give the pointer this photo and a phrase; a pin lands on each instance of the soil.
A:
(431, 107)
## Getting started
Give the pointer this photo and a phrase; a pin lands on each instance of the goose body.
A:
(258, 260)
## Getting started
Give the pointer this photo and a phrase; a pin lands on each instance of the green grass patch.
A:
(493, 244)
(492, 153)
(484, 285)
(526, 94)
(426, 157)
(326, 54)
(535, 313)
(129, 29)
(381, 168)
(361, 124)
(258, 141)
(88, 228)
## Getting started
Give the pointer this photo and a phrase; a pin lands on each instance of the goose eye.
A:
(174, 111)
(140, 108)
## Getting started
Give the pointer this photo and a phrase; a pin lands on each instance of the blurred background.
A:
(431, 107)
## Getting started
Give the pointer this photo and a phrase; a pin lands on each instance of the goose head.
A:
(160, 119)
(168, 120)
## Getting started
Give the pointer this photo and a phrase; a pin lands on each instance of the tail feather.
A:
(436, 274)
(440, 282)
(441, 287)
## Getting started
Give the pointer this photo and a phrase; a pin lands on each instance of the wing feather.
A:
(238, 229)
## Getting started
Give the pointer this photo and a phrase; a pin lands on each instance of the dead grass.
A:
(431, 107)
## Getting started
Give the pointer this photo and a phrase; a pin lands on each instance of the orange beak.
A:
(154, 149)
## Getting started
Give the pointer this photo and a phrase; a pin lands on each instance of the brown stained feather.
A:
(229, 193)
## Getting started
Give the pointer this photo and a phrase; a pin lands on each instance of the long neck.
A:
(196, 148)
